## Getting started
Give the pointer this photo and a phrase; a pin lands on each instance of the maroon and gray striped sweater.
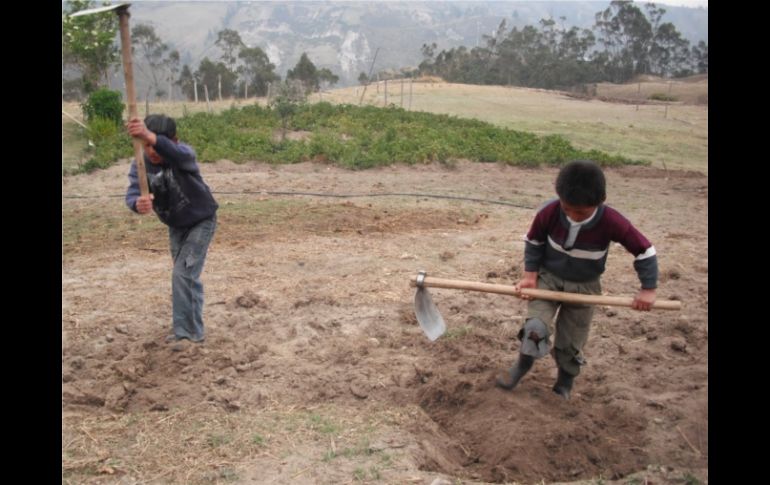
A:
(546, 245)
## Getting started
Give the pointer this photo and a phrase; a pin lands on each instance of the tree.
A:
(700, 58)
(186, 82)
(286, 100)
(325, 76)
(669, 53)
(209, 73)
(172, 64)
(426, 66)
(88, 43)
(230, 42)
(152, 49)
(257, 70)
(363, 78)
(306, 72)
(627, 35)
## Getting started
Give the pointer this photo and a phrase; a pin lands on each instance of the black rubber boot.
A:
(563, 386)
(509, 379)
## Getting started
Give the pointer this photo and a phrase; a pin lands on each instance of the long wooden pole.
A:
(543, 294)
(128, 73)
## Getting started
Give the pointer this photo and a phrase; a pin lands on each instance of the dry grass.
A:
(692, 90)
(74, 141)
(201, 444)
(92, 223)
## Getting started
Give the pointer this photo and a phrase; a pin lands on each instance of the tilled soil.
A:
(308, 303)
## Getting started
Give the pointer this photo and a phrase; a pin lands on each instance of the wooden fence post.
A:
(411, 81)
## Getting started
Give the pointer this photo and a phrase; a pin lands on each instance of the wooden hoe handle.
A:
(542, 294)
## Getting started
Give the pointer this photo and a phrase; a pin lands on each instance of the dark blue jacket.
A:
(181, 197)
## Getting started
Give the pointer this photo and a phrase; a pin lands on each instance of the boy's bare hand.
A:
(529, 280)
(137, 129)
(644, 300)
(144, 204)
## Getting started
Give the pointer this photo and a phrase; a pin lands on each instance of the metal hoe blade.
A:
(430, 320)
(91, 11)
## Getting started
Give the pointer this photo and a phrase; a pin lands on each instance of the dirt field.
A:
(314, 369)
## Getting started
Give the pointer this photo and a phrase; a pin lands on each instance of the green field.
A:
(673, 136)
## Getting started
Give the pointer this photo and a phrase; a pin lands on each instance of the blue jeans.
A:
(188, 249)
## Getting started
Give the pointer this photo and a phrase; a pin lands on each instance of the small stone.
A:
(679, 345)
(358, 391)
(440, 481)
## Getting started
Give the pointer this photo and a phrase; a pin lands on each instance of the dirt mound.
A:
(531, 435)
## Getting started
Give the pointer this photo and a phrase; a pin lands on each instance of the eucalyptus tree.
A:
(89, 43)
(306, 72)
(152, 50)
(256, 70)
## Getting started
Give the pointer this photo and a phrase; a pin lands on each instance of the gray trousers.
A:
(188, 250)
(572, 323)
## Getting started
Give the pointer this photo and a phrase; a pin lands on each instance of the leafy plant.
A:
(104, 103)
(101, 129)
(357, 137)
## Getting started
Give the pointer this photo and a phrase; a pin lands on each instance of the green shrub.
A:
(111, 144)
(104, 103)
(101, 129)
(662, 97)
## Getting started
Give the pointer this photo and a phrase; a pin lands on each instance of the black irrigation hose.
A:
(341, 196)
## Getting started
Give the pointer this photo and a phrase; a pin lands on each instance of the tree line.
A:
(89, 47)
(623, 43)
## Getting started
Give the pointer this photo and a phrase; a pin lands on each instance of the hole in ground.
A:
(474, 430)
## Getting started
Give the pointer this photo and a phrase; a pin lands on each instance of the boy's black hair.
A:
(581, 183)
(161, 125)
